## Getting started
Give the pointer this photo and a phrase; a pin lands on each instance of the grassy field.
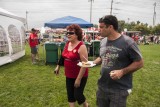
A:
(25, 85)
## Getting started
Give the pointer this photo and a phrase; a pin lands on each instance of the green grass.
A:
(25, 85)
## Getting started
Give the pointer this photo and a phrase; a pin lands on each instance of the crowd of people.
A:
(91, 36)
(151, 39)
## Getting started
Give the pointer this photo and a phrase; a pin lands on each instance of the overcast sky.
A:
(41, 11)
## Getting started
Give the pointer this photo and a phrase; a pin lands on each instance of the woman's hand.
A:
(56, 71)
(77, 83)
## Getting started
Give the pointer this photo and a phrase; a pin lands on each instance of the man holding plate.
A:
(120, 57)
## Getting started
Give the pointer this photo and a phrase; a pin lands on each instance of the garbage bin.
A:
(62, 44)
(51, 53)
(87, 46)
(95, 47)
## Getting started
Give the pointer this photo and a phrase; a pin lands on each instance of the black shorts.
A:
(34, 50)
(75, 94)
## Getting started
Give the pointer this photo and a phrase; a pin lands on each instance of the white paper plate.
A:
(91, 62)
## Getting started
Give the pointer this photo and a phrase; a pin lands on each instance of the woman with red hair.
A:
(76, 77)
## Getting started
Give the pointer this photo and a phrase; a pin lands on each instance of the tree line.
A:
(138, 26)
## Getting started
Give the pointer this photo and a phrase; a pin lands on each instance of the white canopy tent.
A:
(12, 37)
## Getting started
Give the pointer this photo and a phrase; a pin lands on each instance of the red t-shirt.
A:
(33, 40)
(71, 60)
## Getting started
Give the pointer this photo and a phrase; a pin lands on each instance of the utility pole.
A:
(128, 26)
(154, 14)
(91, 10)
(111, 7)
(128, 20)
(27, 20)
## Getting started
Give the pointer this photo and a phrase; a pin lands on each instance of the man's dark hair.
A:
(33, 30)
(110, 20)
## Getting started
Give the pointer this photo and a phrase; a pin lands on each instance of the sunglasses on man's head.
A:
(70, 33)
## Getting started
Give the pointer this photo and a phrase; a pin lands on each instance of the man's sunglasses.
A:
(70, 33)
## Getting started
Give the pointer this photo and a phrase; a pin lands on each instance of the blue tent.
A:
(68, 20)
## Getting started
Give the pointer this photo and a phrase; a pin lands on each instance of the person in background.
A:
(76, 77)
(65, 38)
(119, 58)
(33, 41)
(89, 38)
(59, 39)
(37, 44)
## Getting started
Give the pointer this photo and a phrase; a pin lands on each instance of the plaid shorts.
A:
(112, 98)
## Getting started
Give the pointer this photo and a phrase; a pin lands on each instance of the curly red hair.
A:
(77, 29)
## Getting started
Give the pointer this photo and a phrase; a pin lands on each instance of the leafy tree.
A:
(144, 29)
(95, 25)
(156, 30)
(121, 25)
(137, 26)
(138, 22)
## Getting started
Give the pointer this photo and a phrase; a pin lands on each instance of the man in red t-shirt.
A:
(33, 42)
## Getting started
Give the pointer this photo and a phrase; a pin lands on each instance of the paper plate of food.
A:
(86, 64)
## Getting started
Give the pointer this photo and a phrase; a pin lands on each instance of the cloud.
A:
(41, 11)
